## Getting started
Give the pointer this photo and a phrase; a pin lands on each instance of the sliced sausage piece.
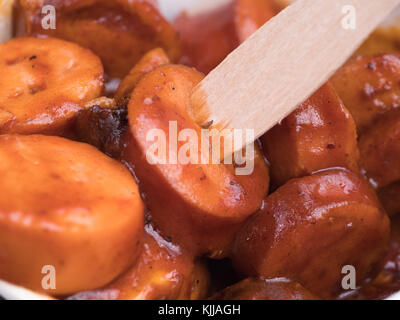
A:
(209, 36)
(151, 60)
(265, 289)
(369, 87)
(120, 32)
(162, 272)
(319, 134)
(43, 84)
(380, 150)
(66, 205)
(197, 205)
(312, 227)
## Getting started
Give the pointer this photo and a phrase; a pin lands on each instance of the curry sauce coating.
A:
(369, 85)
(319, 134)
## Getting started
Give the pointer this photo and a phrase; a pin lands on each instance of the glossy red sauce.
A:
(388, 281)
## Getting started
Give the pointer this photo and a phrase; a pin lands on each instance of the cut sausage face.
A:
(265, 289)
(66, 205)
(200, 206)
(374, 91)
(120, 32)
(312, 227)
(319, 134)
(43, 84)
(162, 272)
(208, 37)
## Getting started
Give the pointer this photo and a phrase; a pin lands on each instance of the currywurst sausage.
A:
(120, 32)
(197, 205)
(373, 91)
(312, 227)
(43, 84)
(69, 206)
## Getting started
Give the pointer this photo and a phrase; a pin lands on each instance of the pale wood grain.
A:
(283, 63)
